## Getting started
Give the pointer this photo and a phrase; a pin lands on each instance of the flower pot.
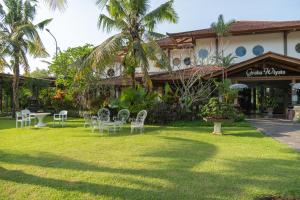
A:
(217, 124)
(270, 112)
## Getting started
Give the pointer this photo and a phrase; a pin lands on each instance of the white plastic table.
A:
(40, 117)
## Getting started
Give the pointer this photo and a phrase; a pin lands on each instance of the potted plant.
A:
(218, 113)
(270, 103)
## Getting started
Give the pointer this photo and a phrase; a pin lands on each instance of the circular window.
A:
(297, 48)
(240, 51)
(187, 61)
(176, 61)
(111, 72)
(258, 50)
(203, 53)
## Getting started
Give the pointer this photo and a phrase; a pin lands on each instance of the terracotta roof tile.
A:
(239, 27)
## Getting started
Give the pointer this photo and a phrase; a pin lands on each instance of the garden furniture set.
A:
(24, 118)
(103, 121)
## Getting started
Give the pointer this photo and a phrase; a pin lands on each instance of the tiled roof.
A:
(179, 74)
(237, 28)
(164, 76)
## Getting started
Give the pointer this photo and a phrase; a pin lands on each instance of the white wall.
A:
(270, 42)
(293, 39)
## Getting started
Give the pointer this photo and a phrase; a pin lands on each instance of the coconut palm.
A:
(136, 38)
(221, 28)
(19, 36)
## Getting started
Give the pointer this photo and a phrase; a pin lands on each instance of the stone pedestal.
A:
(297, 113)
(217, 128)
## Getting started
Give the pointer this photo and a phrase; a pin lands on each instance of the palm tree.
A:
(19, 36)
(221, 29)
(136, 37)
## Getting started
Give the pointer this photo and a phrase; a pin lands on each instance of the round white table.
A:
(40, 117)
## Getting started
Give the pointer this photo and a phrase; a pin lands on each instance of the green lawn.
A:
(182, 161)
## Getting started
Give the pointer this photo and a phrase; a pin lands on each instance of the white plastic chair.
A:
(27, 116)
(139, 121)
(122, 117)
(103, 118)
(61, 117)
(87, 119)
(20, 119)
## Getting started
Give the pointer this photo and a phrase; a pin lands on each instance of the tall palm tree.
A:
(136, 37)
(221, 29)
(19, 36)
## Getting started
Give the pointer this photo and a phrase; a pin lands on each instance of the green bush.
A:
(218, 110)
(135, 100)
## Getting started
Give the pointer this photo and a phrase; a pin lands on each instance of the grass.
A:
(180, 161)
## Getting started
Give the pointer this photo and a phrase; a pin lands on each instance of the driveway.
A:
(282, 130)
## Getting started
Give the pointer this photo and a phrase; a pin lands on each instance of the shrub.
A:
(218, 110)
(135, 100)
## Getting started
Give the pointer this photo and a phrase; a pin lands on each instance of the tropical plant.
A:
(270, 102)
(217, 110)
(226, 93)
(19, 36)
(169, 96)
(221, 29)
(135, 99)
(224, 61)
(73, 82)
(135, 45)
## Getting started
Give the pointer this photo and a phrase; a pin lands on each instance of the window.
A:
(297, 48)
(187, 61)
(240, 51)
(258, 50)
(176, 62)
(203, 53)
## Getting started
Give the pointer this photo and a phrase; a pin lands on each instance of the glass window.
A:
(258, 50)
(187, 61)
(297, 48)
(203, 53)
(176, 61)
(240, 51)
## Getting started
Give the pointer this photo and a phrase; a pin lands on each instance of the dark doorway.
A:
(252, 100)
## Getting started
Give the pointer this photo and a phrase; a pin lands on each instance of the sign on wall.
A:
(266, 71)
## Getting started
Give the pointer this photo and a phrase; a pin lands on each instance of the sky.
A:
(77, 25)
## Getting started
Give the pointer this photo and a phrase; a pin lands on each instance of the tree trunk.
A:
(1, 95)
(132, 75)
(15, 85)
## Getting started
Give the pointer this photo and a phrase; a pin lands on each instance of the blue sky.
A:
(77, 25)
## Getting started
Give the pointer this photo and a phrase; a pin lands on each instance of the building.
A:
(267, 59)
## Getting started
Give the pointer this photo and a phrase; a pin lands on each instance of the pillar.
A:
(1, 95)
(294, 94)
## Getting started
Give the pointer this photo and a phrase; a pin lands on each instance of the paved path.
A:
(282, 130)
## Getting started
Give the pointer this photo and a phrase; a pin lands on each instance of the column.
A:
(294, 94)
(1, 95)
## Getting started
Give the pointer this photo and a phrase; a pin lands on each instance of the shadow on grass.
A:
(182, 159)
(177, 163)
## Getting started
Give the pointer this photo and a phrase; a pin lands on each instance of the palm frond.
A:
(56, 4)
(108, 24)
(41, 25)
(164, 12)
(104, 54)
